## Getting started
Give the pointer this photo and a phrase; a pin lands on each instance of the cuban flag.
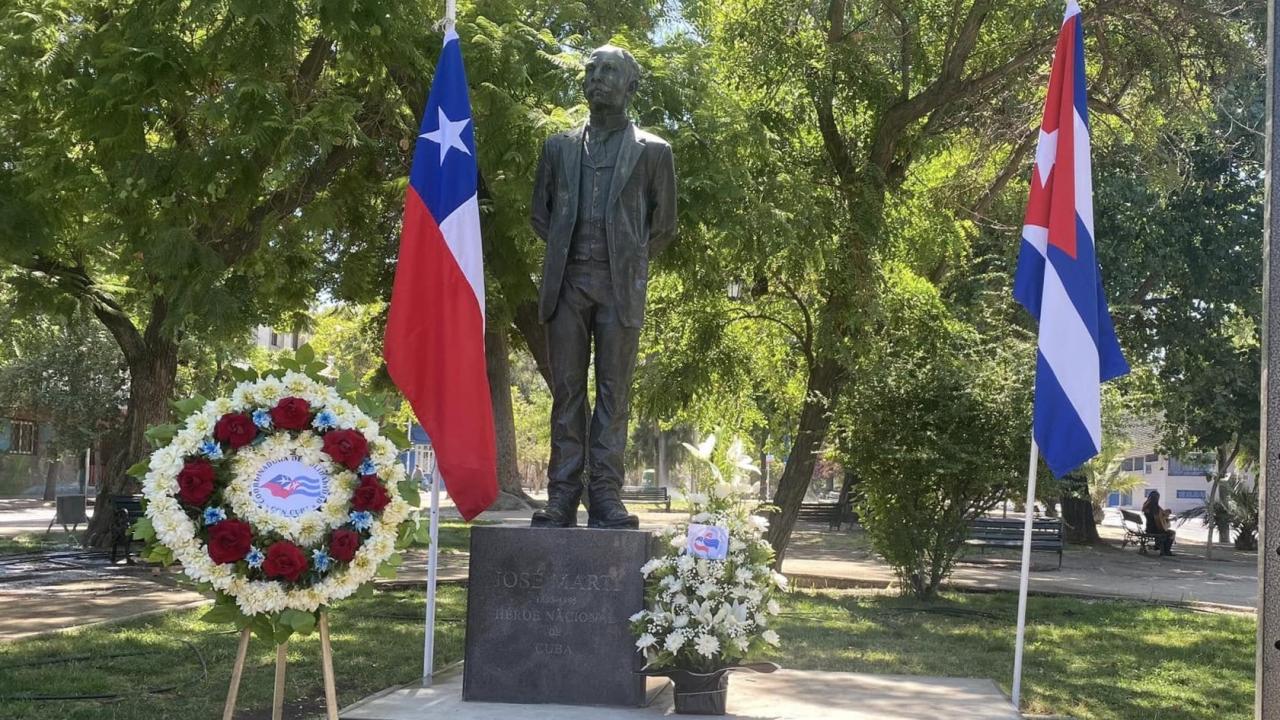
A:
(1058, 279)
(434, 346)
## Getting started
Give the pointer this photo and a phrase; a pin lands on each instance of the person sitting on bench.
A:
(1158, 523)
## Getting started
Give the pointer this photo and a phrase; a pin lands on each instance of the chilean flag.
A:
(434, 345)
(1058, 279)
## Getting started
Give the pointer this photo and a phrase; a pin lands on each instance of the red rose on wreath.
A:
(195, 482)
(370, 495)
(343, 544)
(347, 447)
(291, 413)
(229, 541)
(284, 560)
(235, 429)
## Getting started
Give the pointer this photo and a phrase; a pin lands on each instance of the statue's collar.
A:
(608, 123)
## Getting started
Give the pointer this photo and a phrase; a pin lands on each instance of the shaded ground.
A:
(1231, 578)
(40, 592)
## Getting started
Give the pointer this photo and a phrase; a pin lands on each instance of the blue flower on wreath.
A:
(262, 419)
(325, 420)
(255, 557)
(362, 520)
(214, 515)
(320, 559)
(367, 468)
(211, 449)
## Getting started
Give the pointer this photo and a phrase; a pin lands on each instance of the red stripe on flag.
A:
(434, 350)
(1062, 207)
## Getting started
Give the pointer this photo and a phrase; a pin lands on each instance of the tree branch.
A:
(805, 349)
(75, 281)
(947, 88)
(318, 55)
(245, 239)
(832, 140)
(904, 59)
(1010, 169)
(804, 311)
(835, 21)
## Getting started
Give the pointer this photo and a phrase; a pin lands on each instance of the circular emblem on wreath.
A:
(289, 488)
(283, 496)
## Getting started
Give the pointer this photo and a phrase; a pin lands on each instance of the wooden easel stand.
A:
(282, 659)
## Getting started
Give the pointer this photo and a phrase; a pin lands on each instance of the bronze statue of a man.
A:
(604, 200)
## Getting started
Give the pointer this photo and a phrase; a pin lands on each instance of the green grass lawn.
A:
(377, 642)
(1085, 659)
(31, 542)
(455, 535)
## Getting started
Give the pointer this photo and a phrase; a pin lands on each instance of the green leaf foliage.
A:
(143, 529)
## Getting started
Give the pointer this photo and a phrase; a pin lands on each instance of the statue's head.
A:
(611, 78)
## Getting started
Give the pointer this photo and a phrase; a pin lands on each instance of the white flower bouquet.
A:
(709, 606)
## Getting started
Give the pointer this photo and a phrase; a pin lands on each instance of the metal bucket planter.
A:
(700, 693)
(706, 693)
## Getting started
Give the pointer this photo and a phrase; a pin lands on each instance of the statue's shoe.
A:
(561, 512)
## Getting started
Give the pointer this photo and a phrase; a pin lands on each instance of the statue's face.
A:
(608, 83)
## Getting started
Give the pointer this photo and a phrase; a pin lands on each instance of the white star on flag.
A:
(448, 134)
(1046, 154)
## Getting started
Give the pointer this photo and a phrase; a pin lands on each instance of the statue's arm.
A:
(544, 190)
(662, 196)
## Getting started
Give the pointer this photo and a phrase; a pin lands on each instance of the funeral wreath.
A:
(280, 499)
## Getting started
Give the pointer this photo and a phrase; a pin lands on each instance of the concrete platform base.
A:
(784, 695)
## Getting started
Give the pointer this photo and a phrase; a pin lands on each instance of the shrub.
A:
(937, 430)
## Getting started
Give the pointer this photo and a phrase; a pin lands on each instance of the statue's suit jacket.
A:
(640, 218)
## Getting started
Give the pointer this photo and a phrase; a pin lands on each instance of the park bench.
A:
(1135, 531)
(655, 495)
(126, 509)
(832, 513)
(1046, 534)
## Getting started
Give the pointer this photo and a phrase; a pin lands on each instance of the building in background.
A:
(27, 466)
(1183, 483)
(272, 339)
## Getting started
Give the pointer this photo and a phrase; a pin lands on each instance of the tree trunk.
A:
(764, 471)
(497, 365)
(152, 374)
(51, 478)
(1225, 457)
(534, 334)
(1211, 518)
(662, 458)
(815, 419)
(1078, 524)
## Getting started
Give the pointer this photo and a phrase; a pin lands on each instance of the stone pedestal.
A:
(548, 614)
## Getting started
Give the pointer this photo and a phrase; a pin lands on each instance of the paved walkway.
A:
(41, 592)
(784, 695)
(821, 557)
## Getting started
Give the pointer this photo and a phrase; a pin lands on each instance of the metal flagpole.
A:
(1267, 665)
(1026, 573)
(429, 642)
(429, 639)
